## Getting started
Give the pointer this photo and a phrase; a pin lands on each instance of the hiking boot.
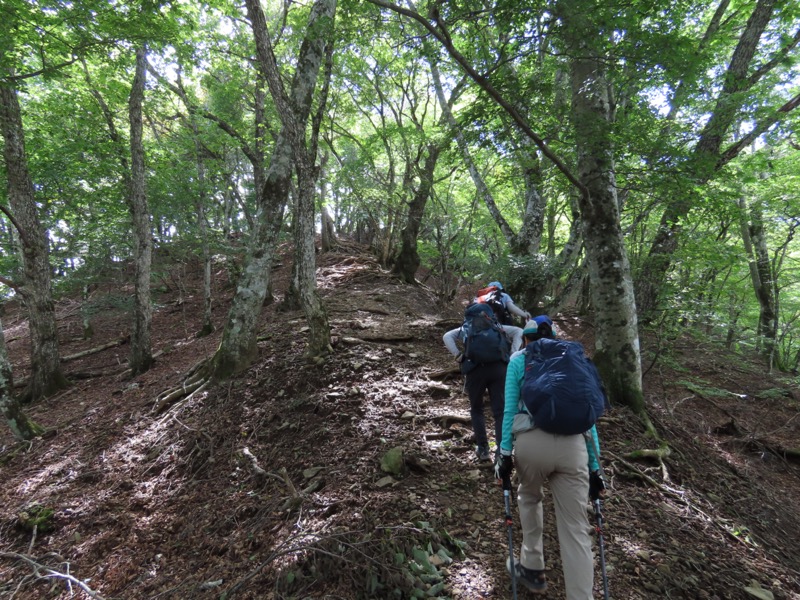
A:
(531, 579)
(482, 453)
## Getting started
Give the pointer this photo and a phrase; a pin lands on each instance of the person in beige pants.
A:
(562, 461)
(569, 463)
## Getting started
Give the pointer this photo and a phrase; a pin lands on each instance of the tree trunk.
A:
(755, 245)
(528, 240)
(477, 179)
(46, 376)
(86, 315)
(21, 426)
(328, 231)
(319, 338)
(238, 347)
(407, 261)
(291, 299)
(328, 235)
(141, 357)
(617, 338)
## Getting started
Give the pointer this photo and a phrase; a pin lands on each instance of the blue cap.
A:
(496, 284)
(533, 325)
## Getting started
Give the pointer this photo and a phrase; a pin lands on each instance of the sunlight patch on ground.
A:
(47, 479)
(422, 322)
(333, 276)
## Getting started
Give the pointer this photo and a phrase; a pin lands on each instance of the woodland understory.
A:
(271, 486)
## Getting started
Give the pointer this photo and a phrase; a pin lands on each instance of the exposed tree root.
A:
(196, 381)
(752, 441)
(454, 371)
(375, 341)
(659, 454)
(679, 495)
(120, 371)
(445, 420)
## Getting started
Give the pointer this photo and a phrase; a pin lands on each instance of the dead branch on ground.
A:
(354, 341)
(446, 373)
(50, 573)
(90, 351)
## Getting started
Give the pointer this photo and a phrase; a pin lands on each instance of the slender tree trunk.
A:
(617, 338)
(291, 299)
(477, 179)
(208, 323)
(316, 316)
(207, 326)
(200, 205)
(755, 245)
(21, 426)
(527, 240)
(141, 357)
(86, 316)
(46, 376)
(329, 240)
(328, 233)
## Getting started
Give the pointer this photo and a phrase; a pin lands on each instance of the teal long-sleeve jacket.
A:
(514, 376)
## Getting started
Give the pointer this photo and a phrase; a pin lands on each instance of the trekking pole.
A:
(510, 524)
(601, 544)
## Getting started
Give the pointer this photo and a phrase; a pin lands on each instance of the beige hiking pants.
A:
(562, 460)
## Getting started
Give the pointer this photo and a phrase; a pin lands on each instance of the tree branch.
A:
(483, 83)
(762, 126)
(10, 283)
(23, 236)
(193, 108)
(773, 62)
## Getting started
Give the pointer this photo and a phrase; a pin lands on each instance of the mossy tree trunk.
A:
(238, 347)
(617, 340)
(761, 275)
(407, 261)
(46, 375)
(21, 426)
(141, 357)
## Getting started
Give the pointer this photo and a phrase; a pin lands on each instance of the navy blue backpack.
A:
(484, 339)
(562, 389)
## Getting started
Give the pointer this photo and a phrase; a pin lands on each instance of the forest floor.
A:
(271, 486)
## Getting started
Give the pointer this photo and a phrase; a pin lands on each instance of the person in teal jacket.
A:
(569, 463)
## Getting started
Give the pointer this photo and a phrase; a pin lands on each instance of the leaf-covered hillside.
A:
(271, 485)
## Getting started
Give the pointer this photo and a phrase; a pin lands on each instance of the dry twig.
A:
(51, 573)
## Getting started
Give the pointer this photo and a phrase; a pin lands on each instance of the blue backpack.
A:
(562, 389)
(484, 339)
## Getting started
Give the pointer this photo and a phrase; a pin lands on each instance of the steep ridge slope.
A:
(271, 486)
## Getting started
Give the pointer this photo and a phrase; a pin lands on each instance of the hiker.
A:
(494, 295)
(571, 465)
(483, 362)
